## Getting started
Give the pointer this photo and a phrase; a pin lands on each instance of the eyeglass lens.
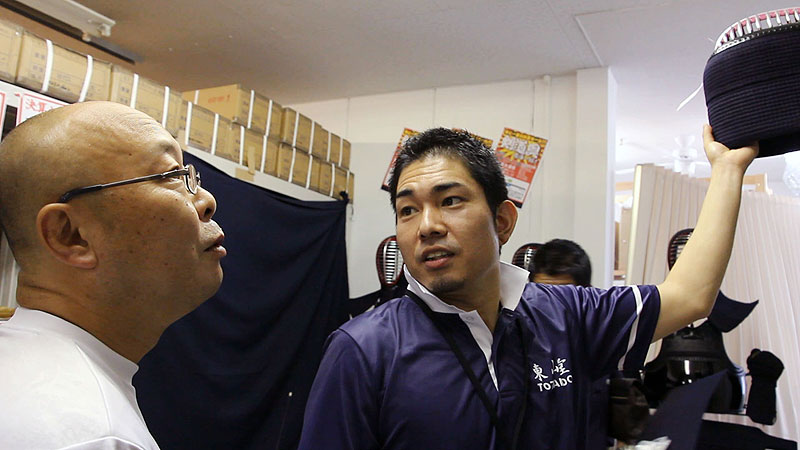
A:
(192, 179)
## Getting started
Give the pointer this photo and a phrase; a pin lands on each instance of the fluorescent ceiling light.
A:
(90, 22)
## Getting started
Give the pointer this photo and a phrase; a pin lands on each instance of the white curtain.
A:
(765, 266)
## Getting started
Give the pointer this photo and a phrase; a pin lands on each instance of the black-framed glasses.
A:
(191, 177)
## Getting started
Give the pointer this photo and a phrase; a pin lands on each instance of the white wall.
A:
(545, 107)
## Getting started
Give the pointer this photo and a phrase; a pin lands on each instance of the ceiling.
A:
(310, 50)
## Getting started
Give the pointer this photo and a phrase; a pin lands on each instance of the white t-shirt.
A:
(61, 388)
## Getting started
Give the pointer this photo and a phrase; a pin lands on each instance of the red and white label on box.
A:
(31, 105)
(407, 134)
(519, 155)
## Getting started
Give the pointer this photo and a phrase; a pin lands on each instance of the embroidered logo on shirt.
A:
(559, 373)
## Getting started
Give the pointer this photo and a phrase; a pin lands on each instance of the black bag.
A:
(628, 409)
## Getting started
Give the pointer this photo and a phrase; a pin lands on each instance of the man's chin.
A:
(443, 286)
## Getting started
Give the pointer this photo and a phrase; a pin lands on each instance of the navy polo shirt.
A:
(389, 380)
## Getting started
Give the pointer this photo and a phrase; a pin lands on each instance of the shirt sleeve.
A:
(619, 324)
(342, 408)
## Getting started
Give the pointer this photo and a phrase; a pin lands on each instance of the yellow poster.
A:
(519, 155)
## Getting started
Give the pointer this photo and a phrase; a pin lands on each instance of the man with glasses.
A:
(114, 239)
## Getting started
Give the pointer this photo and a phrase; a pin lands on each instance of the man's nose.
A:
(431, 223)
(205, 203)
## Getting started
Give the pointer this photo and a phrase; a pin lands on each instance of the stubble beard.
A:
(442, 286)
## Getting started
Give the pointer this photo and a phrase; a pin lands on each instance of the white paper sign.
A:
(32, 104)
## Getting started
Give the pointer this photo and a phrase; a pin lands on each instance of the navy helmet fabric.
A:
(752, 90)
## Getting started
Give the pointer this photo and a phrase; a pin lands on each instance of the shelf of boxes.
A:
(251, 144)
(266, 137)
(14, 93)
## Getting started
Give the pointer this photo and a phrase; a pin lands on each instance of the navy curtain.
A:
(236, 372)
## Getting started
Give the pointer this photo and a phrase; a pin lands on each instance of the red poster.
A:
(519, 155)
(407, 133)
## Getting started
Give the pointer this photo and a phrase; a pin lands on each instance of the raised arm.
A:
(689, 291)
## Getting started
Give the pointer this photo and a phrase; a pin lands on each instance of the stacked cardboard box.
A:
(10, 43)
(325, 178)
(271, 150)
(339, 181)
(147, 96)
(223, 144)
(319, 141)
(334, 148)
(230, 121)
(313, 176)
(249, 145)
(199, 130)
(283, 168)
(296, 129)
(72, 76)
(242, 106)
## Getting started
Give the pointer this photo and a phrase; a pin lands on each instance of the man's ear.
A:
(505, 221)
(59, 228)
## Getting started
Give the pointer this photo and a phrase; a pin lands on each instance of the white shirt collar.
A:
(512, 283)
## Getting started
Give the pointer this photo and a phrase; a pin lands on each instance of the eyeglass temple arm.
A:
(65, 198)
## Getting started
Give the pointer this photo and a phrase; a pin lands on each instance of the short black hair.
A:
(563, 257)
(479, 159)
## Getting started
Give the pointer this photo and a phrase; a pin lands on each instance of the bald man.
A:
(114, 239)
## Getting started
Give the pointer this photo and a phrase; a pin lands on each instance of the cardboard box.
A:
(334, 148)
(121, 85)
(199, 128)
(234, 102)
(100, 83)
(296, 129)
(319, 142)
(173, 122)
(149, 98)
(339, 181)
(271, 157)
(325, 178)
(223, 141)
(67, 74)
(284, 163)
(249, 145)
(351, 185)
(344, 157)
(182, 121)
(300, 168)
(313, 177)
(274, 119)
(10, 43)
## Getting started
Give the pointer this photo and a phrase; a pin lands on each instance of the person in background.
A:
(474, 356)
(115, 241)
(561, 261)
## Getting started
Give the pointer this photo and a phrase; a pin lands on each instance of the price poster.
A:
(486, 141)
(31, 105)
(519, 155)
(407, 133)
